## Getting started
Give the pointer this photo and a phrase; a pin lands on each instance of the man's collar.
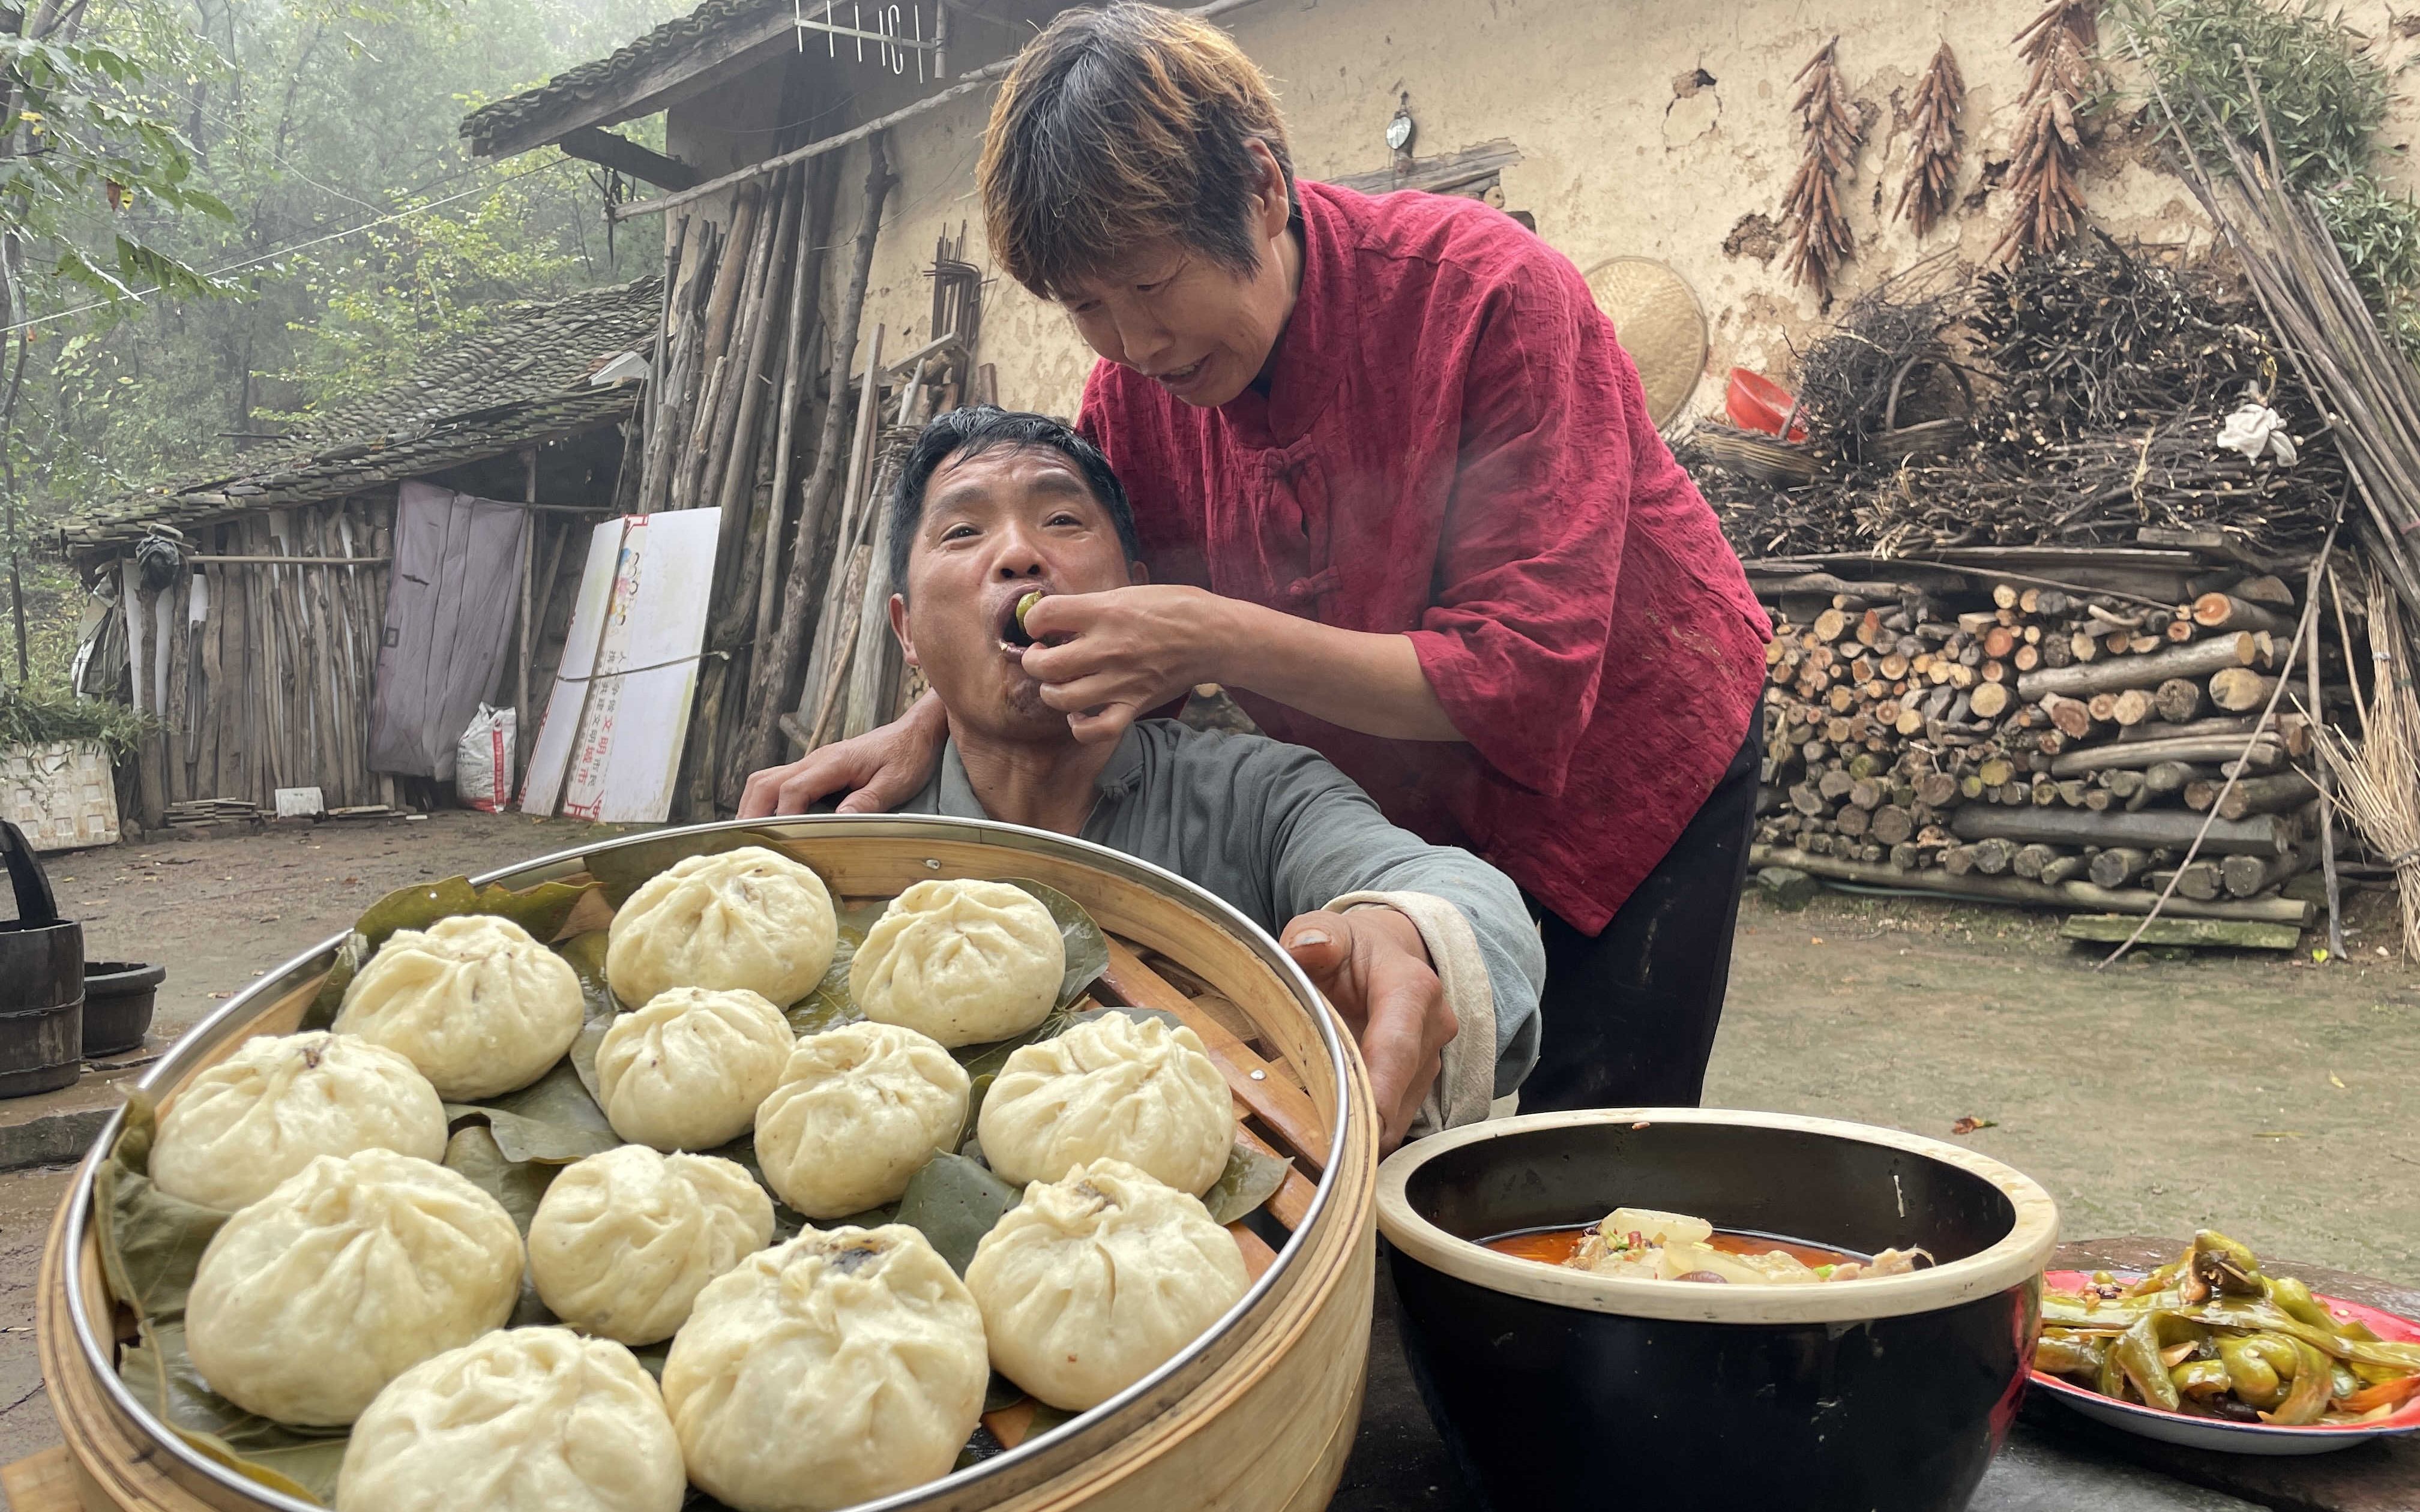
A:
(957, 795)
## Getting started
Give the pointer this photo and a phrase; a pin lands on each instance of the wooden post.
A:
(2326, 777)
(693, 467)
(807, 277)
(839, 608)
(529, 644)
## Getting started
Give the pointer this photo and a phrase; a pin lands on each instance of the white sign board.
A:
(622, 697)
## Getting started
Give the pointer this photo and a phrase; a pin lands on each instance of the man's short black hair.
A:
(980, 429)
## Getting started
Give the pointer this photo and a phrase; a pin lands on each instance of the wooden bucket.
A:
(1258, 1414)
(41, 981)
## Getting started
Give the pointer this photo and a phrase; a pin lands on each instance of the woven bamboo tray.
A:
(1258, 1414)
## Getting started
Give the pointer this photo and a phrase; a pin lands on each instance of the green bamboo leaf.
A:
(978, 1089)
(987, 1061)
(829, 1006)
(519, 1185)
(953, 1202)
(160, 1374)
(585, 954)
(554, 1119)
(1251, 1178)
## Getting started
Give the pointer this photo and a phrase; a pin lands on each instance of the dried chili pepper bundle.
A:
(1819, 233)
(2042, 175)
(1934, 149)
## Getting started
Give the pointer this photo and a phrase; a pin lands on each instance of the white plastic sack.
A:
(2257, 431)
(483, 761)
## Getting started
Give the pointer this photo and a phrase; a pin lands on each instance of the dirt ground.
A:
(2267, 1096)
(2270, 1097)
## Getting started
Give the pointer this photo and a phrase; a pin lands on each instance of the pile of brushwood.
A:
(2072, 399)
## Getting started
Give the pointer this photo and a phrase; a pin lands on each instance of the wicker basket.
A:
(1259, 1413)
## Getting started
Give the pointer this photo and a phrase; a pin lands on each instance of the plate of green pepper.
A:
(2209, 1352)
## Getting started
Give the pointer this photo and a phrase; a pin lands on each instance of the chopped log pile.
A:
(2040, 744)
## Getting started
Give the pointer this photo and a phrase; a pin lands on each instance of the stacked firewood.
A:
(2050, 746)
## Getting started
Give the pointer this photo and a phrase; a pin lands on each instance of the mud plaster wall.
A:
(1661, 130)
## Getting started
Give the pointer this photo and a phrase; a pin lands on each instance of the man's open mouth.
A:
(1013, 638)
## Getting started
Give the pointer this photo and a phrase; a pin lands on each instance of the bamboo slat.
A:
(235, 641)
(177, 649)
(209, 774)
(311, 586)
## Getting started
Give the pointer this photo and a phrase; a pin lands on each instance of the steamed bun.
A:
(262, 1114)
(964, 962)
(857, 1111)
(350, 1272)
(686, 1071)
(836, 1368)
(526, 1420)
(623, 1241)
(1091, 1283)
(749, 918)
(474, 1001)
(1130, 1090)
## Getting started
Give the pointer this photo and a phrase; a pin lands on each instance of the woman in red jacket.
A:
(1398, 490)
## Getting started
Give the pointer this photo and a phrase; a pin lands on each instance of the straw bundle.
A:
(2377, 781)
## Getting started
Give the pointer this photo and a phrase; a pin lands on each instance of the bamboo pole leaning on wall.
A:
(714, 355)
(775, 671)
(672, 415)
(731, 486)
(836, 616)
(805, 333)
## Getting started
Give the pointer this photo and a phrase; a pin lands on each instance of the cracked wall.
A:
(1653, 130)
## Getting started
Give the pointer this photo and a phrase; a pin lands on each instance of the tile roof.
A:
(522, 379)
(606, 75)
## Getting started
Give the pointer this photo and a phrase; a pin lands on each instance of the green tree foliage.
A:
(2323, 96)
(89, 174)
(357, 234)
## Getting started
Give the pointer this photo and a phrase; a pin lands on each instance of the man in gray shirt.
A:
(1426, 951)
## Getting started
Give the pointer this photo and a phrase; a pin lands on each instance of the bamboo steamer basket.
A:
(1258, 1413)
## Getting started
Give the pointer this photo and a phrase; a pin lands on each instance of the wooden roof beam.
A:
(629, 158)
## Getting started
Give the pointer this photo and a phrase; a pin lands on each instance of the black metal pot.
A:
(118, 999)
(41, 981)
(1555, 1387)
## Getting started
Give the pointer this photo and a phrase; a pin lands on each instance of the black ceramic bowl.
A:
(118, 997)
(1556, 1387)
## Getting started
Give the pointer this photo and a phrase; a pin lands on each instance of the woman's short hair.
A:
(983, 428)
(1120, 124)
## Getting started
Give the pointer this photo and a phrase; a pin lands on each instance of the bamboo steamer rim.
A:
(98, 1349)
(2016, 1258)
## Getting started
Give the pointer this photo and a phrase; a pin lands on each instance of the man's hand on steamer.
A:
(1372, 964)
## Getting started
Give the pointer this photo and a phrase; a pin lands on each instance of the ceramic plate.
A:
(2241, 1438)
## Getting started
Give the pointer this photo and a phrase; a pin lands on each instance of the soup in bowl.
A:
(1555, 1383)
